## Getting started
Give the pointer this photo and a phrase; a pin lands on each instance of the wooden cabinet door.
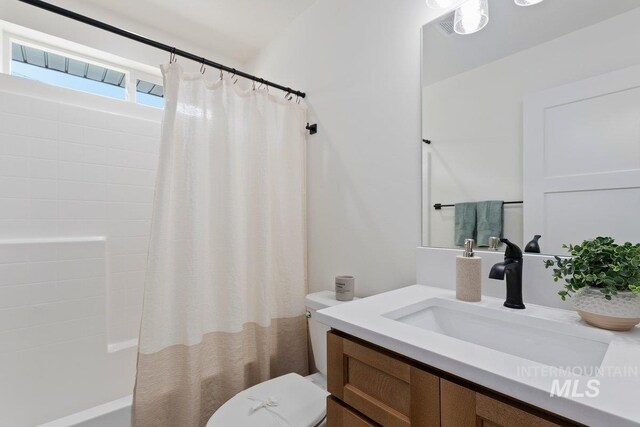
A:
(463, 407)
(387, 389)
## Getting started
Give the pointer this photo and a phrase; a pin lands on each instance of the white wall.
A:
(359, 62)
(476, 117)
(77, 175)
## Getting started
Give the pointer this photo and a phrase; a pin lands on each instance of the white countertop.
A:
(616, 405)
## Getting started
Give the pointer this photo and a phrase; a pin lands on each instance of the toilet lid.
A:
(289, 400)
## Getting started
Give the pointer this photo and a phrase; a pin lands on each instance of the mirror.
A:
(539, 109)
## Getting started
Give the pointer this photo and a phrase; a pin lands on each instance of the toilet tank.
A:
(318, 331)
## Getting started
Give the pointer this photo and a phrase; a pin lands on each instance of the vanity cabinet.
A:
(371, 386)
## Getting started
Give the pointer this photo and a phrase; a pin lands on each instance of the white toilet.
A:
(290, 400)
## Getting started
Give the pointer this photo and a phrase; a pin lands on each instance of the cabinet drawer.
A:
(339, 415)
(495, 413)
(386, 388)
(463, 407)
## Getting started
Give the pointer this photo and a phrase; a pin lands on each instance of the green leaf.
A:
(599, 263)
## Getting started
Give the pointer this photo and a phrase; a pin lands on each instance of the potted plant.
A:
(604, 280)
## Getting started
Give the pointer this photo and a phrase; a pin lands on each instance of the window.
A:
(48, 67)
(148, 93)
(72, 71)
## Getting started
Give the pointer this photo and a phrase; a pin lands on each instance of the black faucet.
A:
(512, 267)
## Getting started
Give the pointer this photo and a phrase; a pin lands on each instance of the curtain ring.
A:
(202, 68)
(221, 75)
(172, 56)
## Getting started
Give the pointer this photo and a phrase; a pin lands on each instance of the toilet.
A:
(290, 400)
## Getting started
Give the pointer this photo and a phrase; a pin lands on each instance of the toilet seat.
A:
(289, 400)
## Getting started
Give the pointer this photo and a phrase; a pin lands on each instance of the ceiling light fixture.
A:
(527, 2)
(471, 16)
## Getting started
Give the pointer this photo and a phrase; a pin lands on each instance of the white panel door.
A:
(582, 160)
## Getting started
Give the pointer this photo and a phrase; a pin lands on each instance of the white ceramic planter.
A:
(621, 313)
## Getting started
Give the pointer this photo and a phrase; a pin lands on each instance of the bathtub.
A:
(116, 413)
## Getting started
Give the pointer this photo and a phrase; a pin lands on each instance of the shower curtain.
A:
(226, 274)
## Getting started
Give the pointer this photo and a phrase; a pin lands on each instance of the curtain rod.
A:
(144, 40)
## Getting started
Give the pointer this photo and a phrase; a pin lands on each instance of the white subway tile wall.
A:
(73, 171)
(45, 286)
(77, 177)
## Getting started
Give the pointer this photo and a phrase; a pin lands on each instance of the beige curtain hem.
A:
(182, 386)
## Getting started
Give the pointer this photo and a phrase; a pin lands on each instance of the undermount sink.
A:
(544, 341)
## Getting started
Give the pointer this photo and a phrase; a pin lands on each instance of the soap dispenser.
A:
(468, 274)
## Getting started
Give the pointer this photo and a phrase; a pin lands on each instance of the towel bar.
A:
(439, 206)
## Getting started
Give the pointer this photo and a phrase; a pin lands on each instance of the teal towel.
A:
(465, 222)
(490, 217)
